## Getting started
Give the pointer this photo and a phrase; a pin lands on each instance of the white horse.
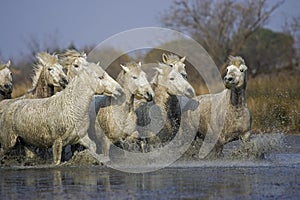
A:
(117, 121)
(5, 81)
(49, 77)
(71, 60)
(60, 119)
(228, 106)
(175, 62)
(167, 83)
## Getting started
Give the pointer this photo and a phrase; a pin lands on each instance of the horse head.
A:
(236, 73)
(73, 61)
(175, 62)
(172, 81)
(102, 82)
(134, 80)
(5, 79)
(52, 71)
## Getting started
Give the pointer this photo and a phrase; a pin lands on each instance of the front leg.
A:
(88, 143)
(57, 151)
(246, 137)
(91, 146)
(104, 141)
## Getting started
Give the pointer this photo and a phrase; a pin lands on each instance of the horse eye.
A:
(134, 77)
(172, 78)
(76, 66)
(171, 65)
(101, 77)
(49, 69)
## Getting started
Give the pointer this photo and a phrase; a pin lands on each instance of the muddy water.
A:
(276, 176)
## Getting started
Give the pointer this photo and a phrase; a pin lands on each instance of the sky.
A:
(86, 22)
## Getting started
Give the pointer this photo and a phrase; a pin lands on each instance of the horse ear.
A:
(8, 63)
(160, 71)
(140, 64)
(41, 60)
(154, 80)
(164, 58)
(243, 68)
(124, 68)
(182, 59)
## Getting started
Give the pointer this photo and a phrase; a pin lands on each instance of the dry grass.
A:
(20, 89)
(274, 101)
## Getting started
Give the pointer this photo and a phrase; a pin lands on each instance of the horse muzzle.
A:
(6, 88)
(63, 82)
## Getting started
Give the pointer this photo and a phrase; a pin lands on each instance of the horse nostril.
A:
(191, 92)
(120, 91)
(149, 96)
(7, 86)
(228, 79)
(184, 75)
(65, 81)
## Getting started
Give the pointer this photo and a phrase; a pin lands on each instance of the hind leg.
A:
(8, 143)
(91, 146)
(88, 143)
(57, 151)
(246, 136)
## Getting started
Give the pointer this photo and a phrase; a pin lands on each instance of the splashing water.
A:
(259, 146)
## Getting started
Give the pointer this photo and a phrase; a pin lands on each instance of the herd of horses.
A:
(70, 96)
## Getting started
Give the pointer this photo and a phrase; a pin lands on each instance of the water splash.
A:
(259, 146)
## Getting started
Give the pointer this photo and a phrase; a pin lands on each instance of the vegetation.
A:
(274, 101)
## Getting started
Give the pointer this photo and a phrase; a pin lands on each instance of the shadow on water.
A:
(275, 176)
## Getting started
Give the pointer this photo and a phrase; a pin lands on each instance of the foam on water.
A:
(259, 146)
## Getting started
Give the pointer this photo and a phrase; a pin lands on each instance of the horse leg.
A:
(57, 151)
(105, 144)
(246, 137)
(8, 143)
(104, 141)
(91, 146)
(88, 143)
(216, 152)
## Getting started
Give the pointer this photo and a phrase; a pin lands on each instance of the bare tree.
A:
(293, 28)
(222, 27)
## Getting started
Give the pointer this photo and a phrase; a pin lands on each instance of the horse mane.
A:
(38, 67)
(2, 66)
(69, 56)
(232, 60)
(236, 60)
(172, 58)
(163, 67)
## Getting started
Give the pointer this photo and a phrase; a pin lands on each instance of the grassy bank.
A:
(274, 101)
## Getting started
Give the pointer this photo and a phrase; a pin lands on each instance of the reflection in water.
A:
(176, 182)
(277, 177)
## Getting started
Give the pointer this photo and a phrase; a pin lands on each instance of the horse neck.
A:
(128, 102)
(162, 98)
(238, 96)
(42, 89)
(77, 96)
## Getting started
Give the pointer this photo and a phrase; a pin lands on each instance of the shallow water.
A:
(275, 177)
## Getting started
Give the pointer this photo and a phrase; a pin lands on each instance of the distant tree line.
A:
(229, 27)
